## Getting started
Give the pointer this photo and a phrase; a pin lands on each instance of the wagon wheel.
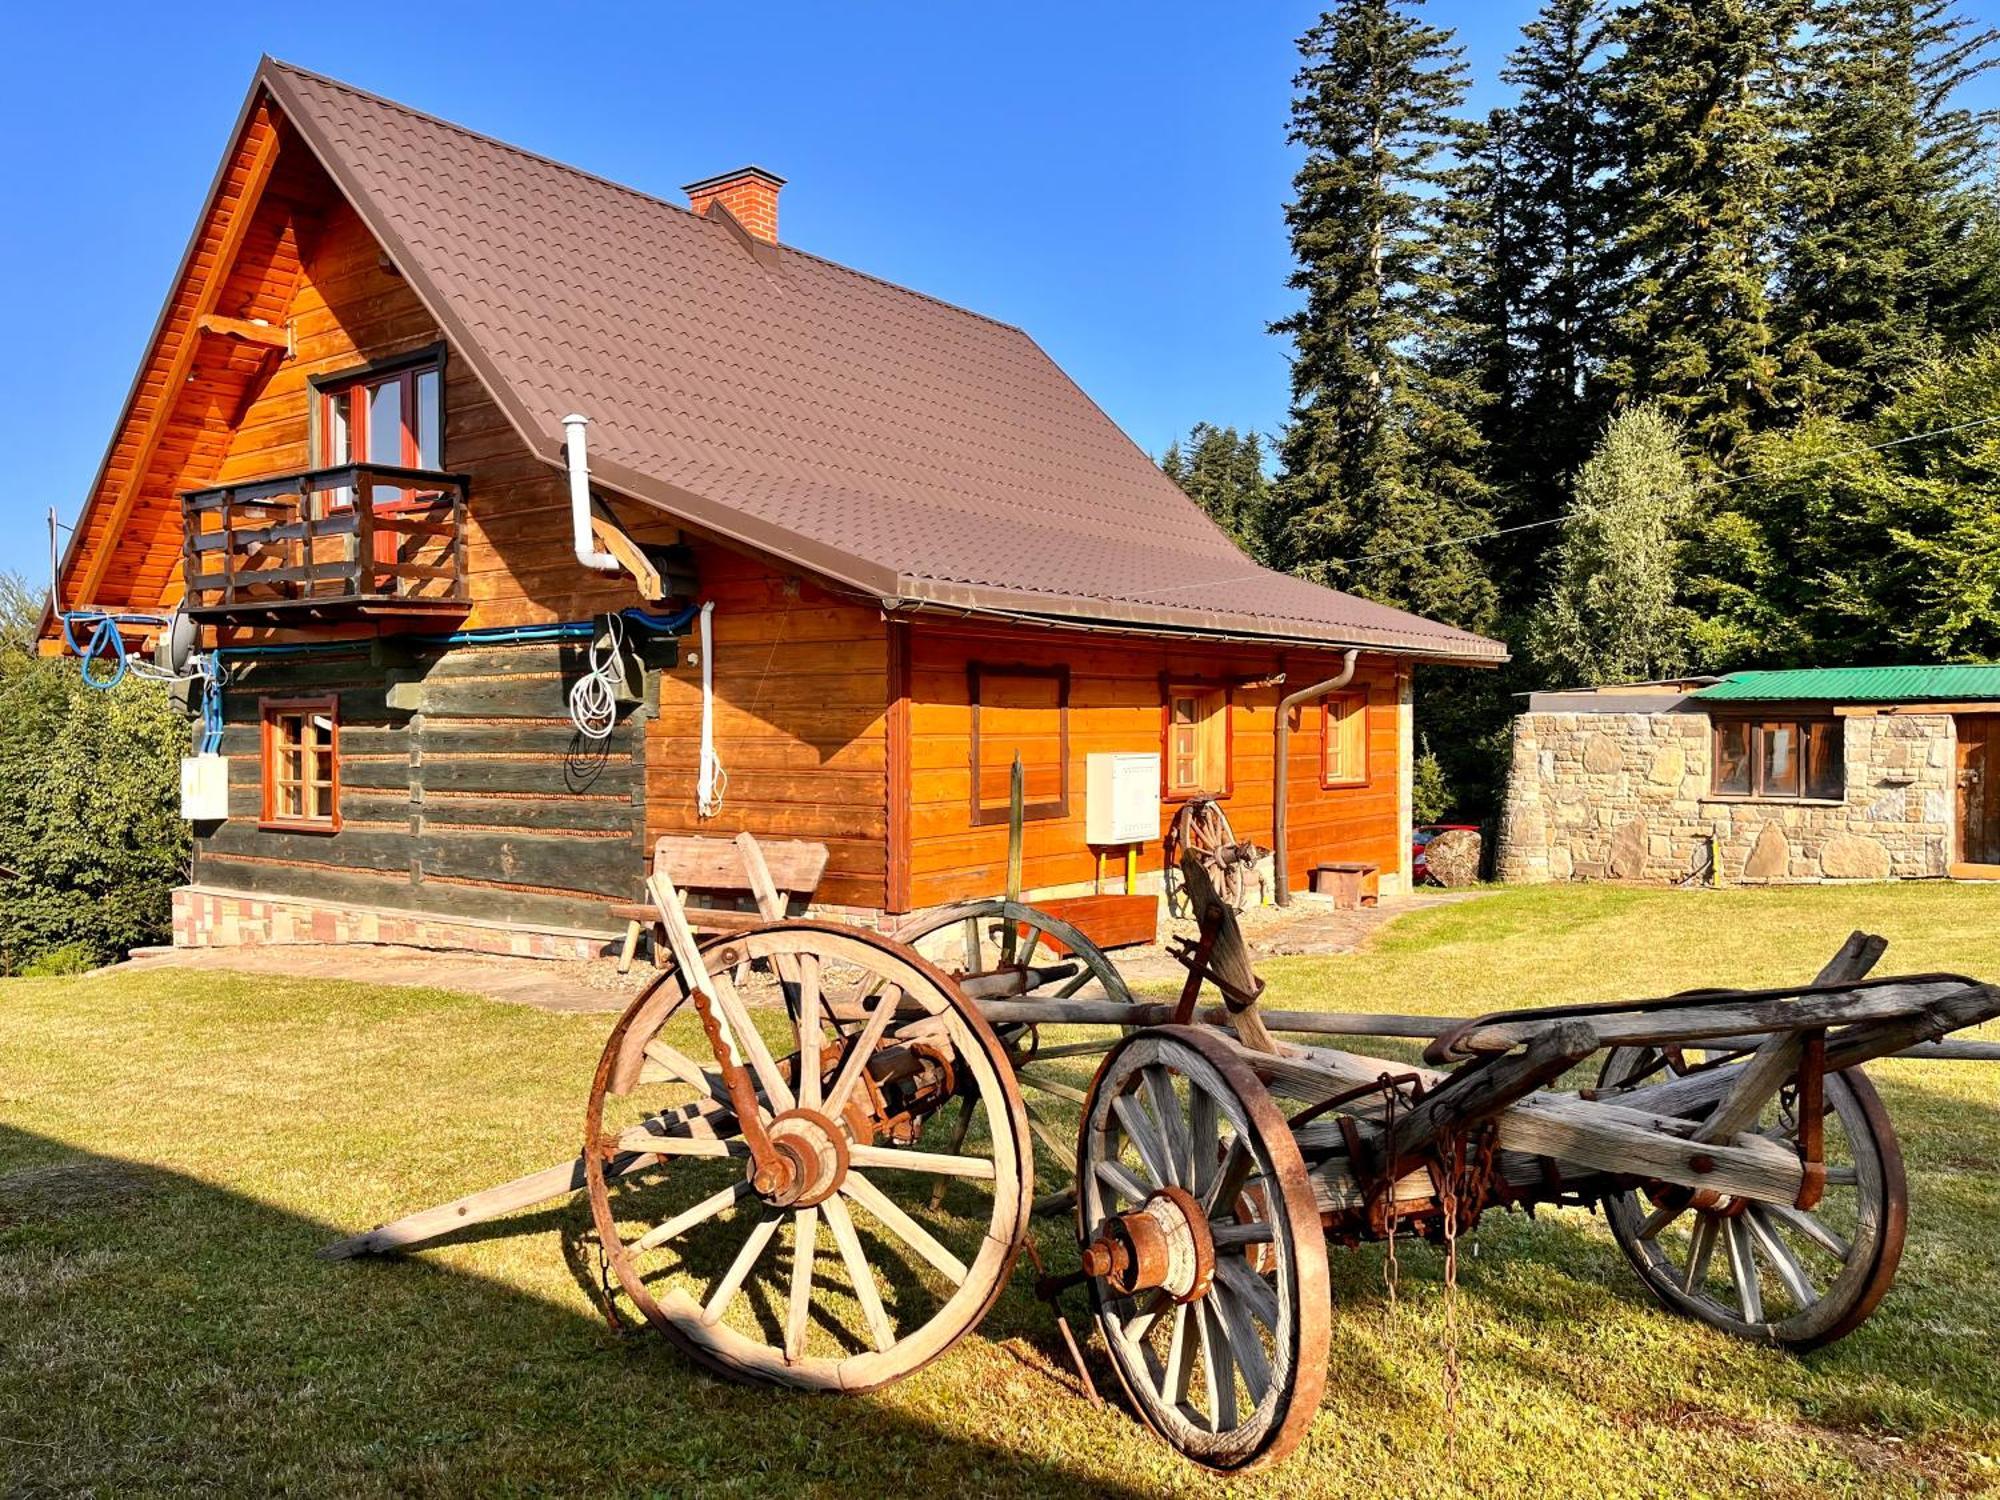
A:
(970, 939)
(849, 1278)
(1203, 1241)
(1767, 1271)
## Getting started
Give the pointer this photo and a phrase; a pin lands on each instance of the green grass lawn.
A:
(174, 1147)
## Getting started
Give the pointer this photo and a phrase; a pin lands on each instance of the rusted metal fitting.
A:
(1163, 1245)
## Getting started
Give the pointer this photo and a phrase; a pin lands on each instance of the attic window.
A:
(382, 415)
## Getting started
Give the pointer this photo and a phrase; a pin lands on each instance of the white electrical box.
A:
(1121, 799)
(204, 788)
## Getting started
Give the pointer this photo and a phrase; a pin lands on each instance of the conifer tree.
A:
(1695, 108)
(1553, 267)
(1881, 258)
(1381, 457)
(1223, 473)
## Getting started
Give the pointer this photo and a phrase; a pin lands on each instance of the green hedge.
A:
(90, 830)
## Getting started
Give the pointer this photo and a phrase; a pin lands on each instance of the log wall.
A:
(1115, 705)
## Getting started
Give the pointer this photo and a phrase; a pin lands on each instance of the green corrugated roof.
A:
(1949, 684)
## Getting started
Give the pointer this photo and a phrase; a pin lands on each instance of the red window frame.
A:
(408, 377)
(1335, 710)
(274, 713)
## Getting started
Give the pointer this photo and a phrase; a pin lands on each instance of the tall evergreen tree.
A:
(1223, 473)
(1381, 456)
(1881, 261)
(1552, 266)
(1612, 611)
(1695, 105)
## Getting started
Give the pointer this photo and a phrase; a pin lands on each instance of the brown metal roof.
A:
(912, 449)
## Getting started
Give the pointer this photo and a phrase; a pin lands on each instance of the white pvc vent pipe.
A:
(579, 496)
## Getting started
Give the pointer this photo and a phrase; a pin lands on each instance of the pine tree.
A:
(1611, 613)
(1693, 95)
(1881, 258)
(1552, 268)
(1381, 456)
(1223, 473)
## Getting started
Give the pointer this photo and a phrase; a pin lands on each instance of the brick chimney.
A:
(749, 193)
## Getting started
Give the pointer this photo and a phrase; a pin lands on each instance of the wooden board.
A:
(1110, 921)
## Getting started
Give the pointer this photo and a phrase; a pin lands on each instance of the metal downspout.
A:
(1281, 762)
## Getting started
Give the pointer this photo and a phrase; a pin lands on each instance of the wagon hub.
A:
(1164, 1245)
(812, 1161)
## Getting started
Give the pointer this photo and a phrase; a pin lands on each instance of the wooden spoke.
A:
(743, 1031)
(739, 1269)
(1234, 1235)
(641, 1139)
(1660, 1218)
(1026, 957)
(1202, 1141)
(1245, 1348)
(1701, 1249)
(1152, 1150)
(1218, 1367)
(1078, 982)
(1141, 1323)
(959, 1129)
(863, 1048)
(700, 1213)
(1252, 1290)
(1052, 1086)
(1167, 1112)
(1784, 1265)
(1181, 1349)
(1118, 1177)
(1810, 1227)
(798, 1311)
(860, 1273)
(897, 1159)
(1743, 1270)
(677, 1064)
(812, 1031)
(908, 1230)
(1842, 1177)
(1235, 1171)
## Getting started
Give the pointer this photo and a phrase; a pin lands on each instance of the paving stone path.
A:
(596, 987)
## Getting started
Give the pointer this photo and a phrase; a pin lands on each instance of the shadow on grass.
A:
(162, 1333)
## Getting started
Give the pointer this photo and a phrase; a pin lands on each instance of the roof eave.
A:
(977, 599)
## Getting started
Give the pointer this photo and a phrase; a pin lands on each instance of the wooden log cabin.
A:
(345, 459)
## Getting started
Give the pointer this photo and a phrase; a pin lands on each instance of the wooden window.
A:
(1195, 747)
(1343, 745)
(301, 763)
(382, 415)
(1019, 711)
(1779, 759)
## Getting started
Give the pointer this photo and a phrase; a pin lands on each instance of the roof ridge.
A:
(626, 188)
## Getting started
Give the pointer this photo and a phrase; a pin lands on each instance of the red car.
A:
(1421, 837)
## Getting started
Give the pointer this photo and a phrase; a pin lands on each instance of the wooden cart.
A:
(810, 1161)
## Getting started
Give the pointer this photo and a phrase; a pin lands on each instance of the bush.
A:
(1430, 792)
(70, 958)
(90, 831)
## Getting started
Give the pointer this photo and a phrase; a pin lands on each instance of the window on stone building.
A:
(1779, 759)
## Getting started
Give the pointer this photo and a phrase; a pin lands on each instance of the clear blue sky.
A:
(1108, 176)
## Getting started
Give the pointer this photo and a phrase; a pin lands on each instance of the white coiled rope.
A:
(593, 701)
(711, 781)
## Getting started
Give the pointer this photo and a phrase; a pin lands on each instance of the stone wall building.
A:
(1839, 774)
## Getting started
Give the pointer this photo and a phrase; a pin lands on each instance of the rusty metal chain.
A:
(1389, 1268)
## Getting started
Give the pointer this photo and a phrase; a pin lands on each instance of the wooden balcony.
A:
(361, 541)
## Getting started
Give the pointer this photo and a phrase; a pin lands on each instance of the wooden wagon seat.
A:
(721, 889)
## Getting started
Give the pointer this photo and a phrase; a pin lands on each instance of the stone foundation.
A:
(208, 918)
(1625, 796)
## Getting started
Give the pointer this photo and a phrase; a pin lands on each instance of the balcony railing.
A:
(360, 539)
